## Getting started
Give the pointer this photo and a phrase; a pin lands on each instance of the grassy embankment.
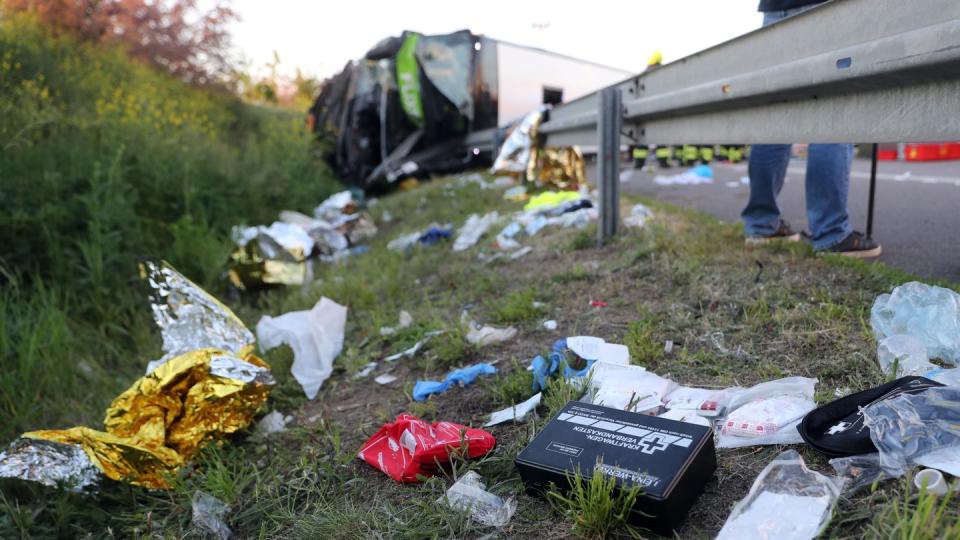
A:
(93, 190)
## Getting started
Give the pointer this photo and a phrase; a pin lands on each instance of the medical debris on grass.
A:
(514, 413)
(787, 501)
(286, 251)
(157, 425)
(470, 494)
(409, 447)
(462, 377)
(208, 514)
(929, 314)
(316, 337)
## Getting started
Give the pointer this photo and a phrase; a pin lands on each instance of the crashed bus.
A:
(405, 107)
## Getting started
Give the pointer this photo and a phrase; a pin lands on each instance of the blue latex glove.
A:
(423, 389)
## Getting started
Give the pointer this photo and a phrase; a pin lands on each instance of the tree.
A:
(175, 35)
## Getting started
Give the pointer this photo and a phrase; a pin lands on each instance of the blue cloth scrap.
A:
(464, 376)
(433, 235)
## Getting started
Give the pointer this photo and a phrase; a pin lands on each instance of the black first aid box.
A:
(671, 461)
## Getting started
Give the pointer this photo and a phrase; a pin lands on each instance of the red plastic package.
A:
(409, 446)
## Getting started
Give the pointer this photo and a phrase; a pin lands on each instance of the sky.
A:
(319, 37)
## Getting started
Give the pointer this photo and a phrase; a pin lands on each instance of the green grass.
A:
(595, 506)
(517, 306)
(917, 515)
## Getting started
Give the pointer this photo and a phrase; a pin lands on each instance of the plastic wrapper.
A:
(316, 337)
(917, 429)
(208, 515)
(906, 352)
(336, 208)
(154, 427)
(594, 348)
(638, 217)
(189, 318)
(409, 447)
(858, 472)
(787, 501)
(929, 314)
(482, 336)
(473, 229)
(628, 388)
(767, 413)
(470, 494)
(949, 377)
(702, 401)
(514, 413)
(463, 376)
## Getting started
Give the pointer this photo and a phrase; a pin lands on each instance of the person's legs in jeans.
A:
(827, 186)
(767, 169)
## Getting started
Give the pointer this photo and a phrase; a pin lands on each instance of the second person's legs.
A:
(767, 169)
(827, 187)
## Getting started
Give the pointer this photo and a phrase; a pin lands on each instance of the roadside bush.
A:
(104, 160)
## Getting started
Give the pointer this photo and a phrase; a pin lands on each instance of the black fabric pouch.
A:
(837, 429)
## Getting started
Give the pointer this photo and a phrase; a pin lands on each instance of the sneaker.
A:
(783, 232)
(856, 245)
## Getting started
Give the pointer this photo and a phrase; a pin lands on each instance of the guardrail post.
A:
(610, 122)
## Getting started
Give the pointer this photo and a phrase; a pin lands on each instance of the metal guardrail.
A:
(845, 71)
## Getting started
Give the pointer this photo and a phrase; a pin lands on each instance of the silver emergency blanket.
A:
(514, 157)
(49, 463)
(189, 318)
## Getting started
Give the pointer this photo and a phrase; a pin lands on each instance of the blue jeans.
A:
(827, 182)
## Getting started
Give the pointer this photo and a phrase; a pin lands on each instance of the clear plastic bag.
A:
(767, 413)
(917, 429)
(907, 352)
(470, 493)
(858, 472)
(787, 501)
(208, 514)
(930, 314)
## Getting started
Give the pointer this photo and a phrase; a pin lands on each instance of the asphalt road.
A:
(916, 219)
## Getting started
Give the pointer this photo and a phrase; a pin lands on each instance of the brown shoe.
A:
(783, 232)
(857, 245)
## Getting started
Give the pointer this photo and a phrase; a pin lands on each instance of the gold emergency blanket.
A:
(249, 270)
(160, 422)
(558, 168)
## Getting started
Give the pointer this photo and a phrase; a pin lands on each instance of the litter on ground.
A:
(515, 413)
(470, 494)
(316, 337)
(409, 447)
(787, 501)
(463, 376)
